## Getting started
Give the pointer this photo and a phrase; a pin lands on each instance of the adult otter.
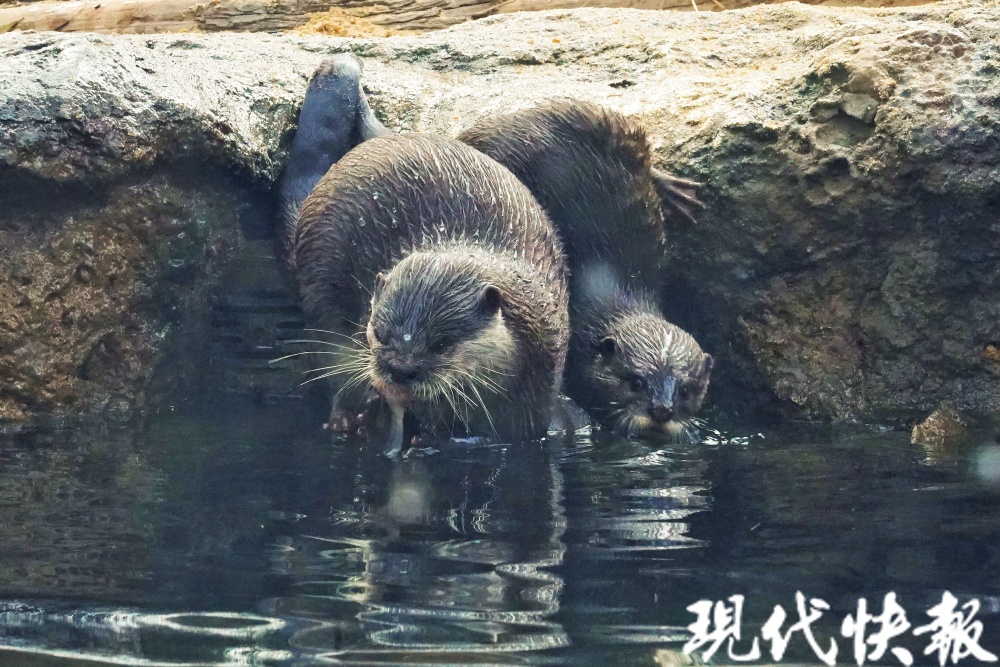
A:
(437, 266)
(590, 168)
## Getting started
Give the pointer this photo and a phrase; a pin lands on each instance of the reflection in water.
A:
(445, 554)
(628, 510)
(987, 463)
(137, 638)
(237, 533)
(73, 519)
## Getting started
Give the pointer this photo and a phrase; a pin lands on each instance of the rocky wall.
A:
(846, 265)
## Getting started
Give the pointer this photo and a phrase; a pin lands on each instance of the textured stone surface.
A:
(941, 433)
(846, 264)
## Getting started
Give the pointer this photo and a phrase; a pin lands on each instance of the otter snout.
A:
(401, 371)
(660, 413)
(403, 374)
(661, 408)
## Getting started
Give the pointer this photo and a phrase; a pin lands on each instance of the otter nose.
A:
(660, 414)
(402, 373)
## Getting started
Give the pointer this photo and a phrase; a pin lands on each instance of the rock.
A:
(89, 289)
(845, 267)
(861, 107)
(942, 434)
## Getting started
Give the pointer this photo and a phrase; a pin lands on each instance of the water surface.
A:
(236, 532)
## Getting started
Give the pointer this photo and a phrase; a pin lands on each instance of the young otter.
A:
(444, 276)
(591, 170)
(637, 372)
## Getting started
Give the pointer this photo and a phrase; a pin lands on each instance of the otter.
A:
(591, 170)
(441, 277)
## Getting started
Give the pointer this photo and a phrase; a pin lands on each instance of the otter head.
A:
(652, 374)
(436, 324)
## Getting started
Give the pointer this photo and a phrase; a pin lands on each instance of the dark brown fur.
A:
(425, 252)
(591, 169)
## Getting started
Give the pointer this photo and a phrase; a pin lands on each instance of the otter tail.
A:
(335, 118)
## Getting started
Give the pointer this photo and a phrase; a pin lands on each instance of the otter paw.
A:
(340, 422)
(360, 420)
(368, 414)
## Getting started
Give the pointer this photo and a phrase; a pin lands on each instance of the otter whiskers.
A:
(354, 359)
(471, 380)
(461, 404)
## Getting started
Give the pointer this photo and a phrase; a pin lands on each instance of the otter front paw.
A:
(341, 422)
(358, 421)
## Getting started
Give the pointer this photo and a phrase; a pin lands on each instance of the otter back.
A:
(590, 169)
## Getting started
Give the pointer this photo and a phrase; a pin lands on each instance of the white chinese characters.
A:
(954, 633)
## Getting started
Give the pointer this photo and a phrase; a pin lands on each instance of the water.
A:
(235, 532)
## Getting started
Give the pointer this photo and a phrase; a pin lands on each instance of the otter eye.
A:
(438, 346)
(684, 393)
(379, 333)
(636, 383)
(607, 348)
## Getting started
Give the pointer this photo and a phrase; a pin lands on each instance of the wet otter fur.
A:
(591, 169)
(441, 278)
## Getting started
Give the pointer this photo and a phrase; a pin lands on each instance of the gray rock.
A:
(846, 265)
(859, 106)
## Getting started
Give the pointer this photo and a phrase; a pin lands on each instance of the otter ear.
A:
(379, 284)
(678, 196)
(491, 300)
(705, 369)
(607, 347)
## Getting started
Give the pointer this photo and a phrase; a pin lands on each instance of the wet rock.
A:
(942, 434)
(846, 265)
(86, 290)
